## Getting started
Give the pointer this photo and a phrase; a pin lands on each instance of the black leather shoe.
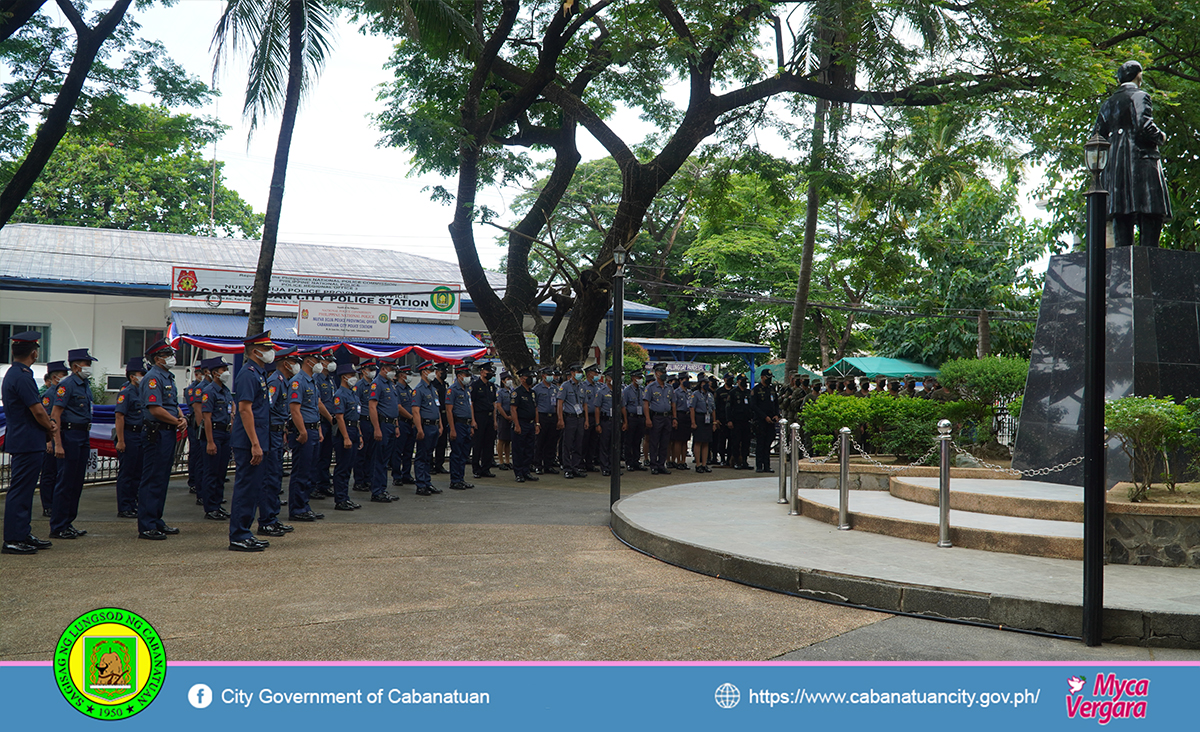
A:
(67, 533)
(318, 515)
(192, 489)
(768, 470)
(353, 504)
(580, 474)
(37, 543)
(384, 497)
(152, 535)
(362, 488)
(520, 478)
(505, 466)
(199, 502)
(548, 471)
(285, 528)
(539, 471)
(458, 486)
(217, 515)
(306, 516)
(606, 472)
(408, 481)
(533, 478)
(488, 474)
(18, 547)
(664, 472)
(248, 545)
(46, 513)
(269, 530)
(397, 482)
(424, 492)
(78, 532)
(261, 542)
(169, 530)
(435, 490)
(568, 474)
(127, 514)
(343, 506)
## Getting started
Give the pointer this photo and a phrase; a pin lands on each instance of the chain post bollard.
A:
(784, 454)
(795, 465)
(844, 479)
(944, 487)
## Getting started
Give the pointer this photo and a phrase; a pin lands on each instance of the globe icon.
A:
(728, 696)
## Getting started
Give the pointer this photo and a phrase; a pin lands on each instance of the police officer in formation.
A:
(279, 369)
(502, 410)
(740, 421)
(633, 421)
(216, 408)
(249, 440)
(572, 421)
(721, 433)
(326, 380)
(526, 425)
(546, 392)
(460, 416)
(56, 371)
(161, 422)
(440, 387)
(27, 432)
(191, 399)
(765, 404)
(406, 438)
(73, 413)
(483, 402)
(364, 463)
(383, 407)
(426, 413)
(127, 435)
(305, 435)
(603, 405)
(658, 405)
(346, 439)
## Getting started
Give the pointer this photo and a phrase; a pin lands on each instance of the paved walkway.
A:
(735, 529)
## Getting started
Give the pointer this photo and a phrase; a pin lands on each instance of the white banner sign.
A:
(343, 320)
(230, 289)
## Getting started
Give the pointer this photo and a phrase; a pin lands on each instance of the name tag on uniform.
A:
(578, 409)
(437, 402)
(707, 418)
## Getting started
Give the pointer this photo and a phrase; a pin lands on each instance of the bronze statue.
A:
(1137, 191)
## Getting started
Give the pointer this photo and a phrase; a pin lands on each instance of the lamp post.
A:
(1096, 158)
(618, 361)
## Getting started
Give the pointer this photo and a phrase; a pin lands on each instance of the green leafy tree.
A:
(1147, 427)
(139, 167)
(52, 79)
(982, 386)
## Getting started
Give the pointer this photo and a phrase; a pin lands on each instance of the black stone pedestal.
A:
(1152, 347)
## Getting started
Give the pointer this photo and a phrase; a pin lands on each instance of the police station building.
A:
(116, 292)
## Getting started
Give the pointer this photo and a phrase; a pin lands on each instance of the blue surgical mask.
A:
(578, 376)
(548, 378)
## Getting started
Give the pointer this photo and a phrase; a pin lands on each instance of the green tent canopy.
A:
(872, 366)
(776, 370)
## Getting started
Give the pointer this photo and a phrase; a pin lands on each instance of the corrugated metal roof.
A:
(224, 325)
(37, 252)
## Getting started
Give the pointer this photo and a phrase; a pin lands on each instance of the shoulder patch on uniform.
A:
(61, 390)
(295, 395)
(120, 398)
(204, 398)
(296, 385)
(153, 383)
(152, 398)
(45, 401)
(337, 400)
(272, 389)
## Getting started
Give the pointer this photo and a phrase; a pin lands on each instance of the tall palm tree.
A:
(288, 41)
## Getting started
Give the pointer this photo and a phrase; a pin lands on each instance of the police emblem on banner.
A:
(442, 299)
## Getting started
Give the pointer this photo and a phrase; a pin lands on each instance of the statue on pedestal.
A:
(1137, 190)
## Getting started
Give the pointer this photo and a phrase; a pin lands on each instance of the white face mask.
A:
(86, 372)
(318, 367)
(414, 380)
(508, 383)
(371, 374)
(352, 382)
(135, 379)
(391, 375)
(267, 356)
(294, 368)
(227, 379)
(170, 362)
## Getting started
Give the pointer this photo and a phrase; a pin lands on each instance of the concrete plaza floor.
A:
(501, 572)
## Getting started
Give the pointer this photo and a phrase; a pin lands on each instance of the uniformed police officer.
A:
(526, 426)
(73, 413)
(740, 425)
(657, 405)
(682, 433)
(285, 363)
(196, 452)
(440, 387)
(216, 409)
(304, 403)
(56, 371)
(128, 433)
(704, 407)
(573, 420)
(364, 463)
(721, 433)
(502, 414)
(346, 440)
(547, 440)
(633, 422)
(382, 406)
(249, 440)
(161, 421)
(406, 441)
(765, 402)
(460, 415)
(426, 411)
(483, 438)
(28, 428)
(603, 424)
(326, 380)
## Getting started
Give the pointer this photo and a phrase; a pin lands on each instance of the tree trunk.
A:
(54, 126)
(796, 333)
(984, 348)
(822, 338)
(291, 104)
(16, 13)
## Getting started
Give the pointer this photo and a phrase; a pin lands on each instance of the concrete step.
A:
(882, 513)
(1023, 498)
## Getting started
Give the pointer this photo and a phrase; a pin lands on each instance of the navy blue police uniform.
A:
(427, 408)
(74, 397)
(269, 502)
(326, 386)
(216, 401)
(382, 395)
(546, 393)
(345, 403)
(250, 387)
(364, 462)
(129, 460)
(25, 442)
(635, 421)
(525, 420)
(458, 401)
(302, 390)
(575, 420)
(657, 402)
(402, 454)
(159, 438)
(50, 462)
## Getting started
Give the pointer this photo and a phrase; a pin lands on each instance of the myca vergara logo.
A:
(1111, 698)
(109, 664)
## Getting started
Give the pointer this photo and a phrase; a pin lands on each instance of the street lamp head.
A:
(619, 255)
(1095, 154)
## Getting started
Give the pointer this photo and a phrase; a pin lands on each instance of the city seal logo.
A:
(383, 317)
(442, 299)
(109, 664)
(187, 281)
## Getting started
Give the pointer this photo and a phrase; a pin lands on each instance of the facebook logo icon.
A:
(200, 696)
